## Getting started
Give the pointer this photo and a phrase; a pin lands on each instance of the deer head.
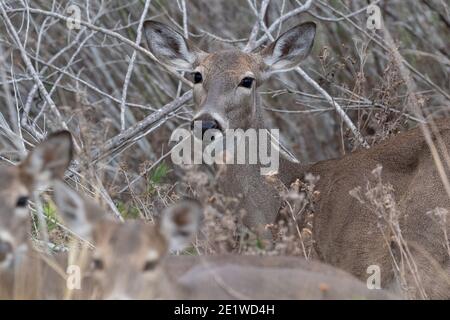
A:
(47, 162)
(128, 259)
(225, 82)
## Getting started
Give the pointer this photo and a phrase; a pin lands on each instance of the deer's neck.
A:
(259, 194)
(288, 171)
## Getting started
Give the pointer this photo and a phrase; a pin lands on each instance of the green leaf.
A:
(159, 173)
(127, 212)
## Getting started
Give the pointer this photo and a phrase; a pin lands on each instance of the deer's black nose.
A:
(6, 249)
(205, 125)
(208, 125)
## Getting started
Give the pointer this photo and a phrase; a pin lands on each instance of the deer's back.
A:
(347, 232)
(255, 277)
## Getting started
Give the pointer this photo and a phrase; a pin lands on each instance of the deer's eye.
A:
(246, 82)
(22, 202)
(150, 265)
(198, 77)
(97, 264)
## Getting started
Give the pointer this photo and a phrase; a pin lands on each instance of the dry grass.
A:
(378, 197)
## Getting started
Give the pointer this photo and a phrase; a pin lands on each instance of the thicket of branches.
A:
(357, 88)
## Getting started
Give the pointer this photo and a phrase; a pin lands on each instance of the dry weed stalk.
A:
(378, 197)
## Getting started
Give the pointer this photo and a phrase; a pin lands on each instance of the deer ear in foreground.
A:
(79, 213)
(49, 160)
(180, 222)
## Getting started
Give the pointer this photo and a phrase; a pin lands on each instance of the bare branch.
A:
(131, 65)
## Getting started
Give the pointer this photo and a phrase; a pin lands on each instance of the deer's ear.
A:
(290, 48)
(170, 47)
(78, 213)
(180, 222)
(50, 159)
(72, 209)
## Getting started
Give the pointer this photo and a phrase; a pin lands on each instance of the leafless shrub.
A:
(224, 232)
(441, 216)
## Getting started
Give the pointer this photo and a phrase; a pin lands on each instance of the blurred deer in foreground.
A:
(19, 264)
(131, 261)
(346, 234)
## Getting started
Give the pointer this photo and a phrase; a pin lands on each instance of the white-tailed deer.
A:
(131, 261)
(346, 234)
(225, 96)
(47, 162)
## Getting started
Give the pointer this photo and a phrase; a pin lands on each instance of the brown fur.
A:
(345, 232)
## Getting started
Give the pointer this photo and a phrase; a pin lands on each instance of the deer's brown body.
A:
(346, 232)
(253, 277)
